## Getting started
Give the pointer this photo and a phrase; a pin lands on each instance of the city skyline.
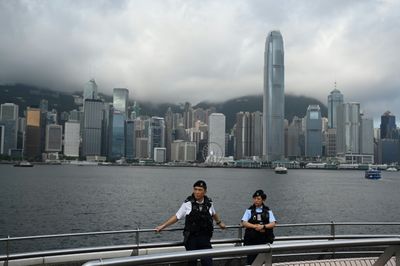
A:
(192, 51)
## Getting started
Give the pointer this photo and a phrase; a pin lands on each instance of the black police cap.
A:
(200, 183)
(260, 193)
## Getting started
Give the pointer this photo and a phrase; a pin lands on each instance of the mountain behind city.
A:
(27, 95)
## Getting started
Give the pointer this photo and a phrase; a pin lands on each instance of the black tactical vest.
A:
(199, 220)
(260, 218)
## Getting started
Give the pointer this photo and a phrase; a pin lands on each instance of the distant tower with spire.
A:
(335, 98)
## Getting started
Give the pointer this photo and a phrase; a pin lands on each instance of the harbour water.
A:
(66, 199)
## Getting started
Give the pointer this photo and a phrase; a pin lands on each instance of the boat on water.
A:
(392, 169)
(280, 170)
(23, 164)
(373, 174)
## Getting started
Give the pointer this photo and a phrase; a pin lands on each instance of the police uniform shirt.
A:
(186, 208)
(247, 215)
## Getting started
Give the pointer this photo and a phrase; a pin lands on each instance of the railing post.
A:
(7, 250)
(264, 258)
(387, 255)
(240, 236)
(333, 234)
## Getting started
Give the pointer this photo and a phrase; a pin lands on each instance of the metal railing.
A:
(332, 226)
(264, 251)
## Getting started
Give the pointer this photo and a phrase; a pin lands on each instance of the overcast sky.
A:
(205, 50)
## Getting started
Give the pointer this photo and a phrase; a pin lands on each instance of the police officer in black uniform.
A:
(199, 212)
(259, 222)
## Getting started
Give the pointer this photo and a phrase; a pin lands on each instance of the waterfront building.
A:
(9, 123)
(72, 138)
(216, 137)
(92, 127)
(366, 136)
(117, 136)
(388, 126)
(33, 133)
(348, 128)
(183, 151)
(130, 140)
(388, 151)
(120, 100)
(142, 148)
(53, 138)
(295, 133)
(90, 91)
(156, 134)
(159, 155)
(106, 129)
(51, 117)
(274, 98)
(313, 132)
(330, 142)
(334, 100)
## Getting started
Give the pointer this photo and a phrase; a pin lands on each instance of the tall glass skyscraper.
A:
(274, 98)
(120, 100)
(388, 126)
(334, 100)
(118, 135)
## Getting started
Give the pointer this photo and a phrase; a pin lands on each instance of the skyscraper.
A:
(90, 90)
(92, 127)
(117, 147)
(156, 133)
(348, 126)
(72, 138)
(274, 98)
(33, 136)
(334, 100)
(216, 137)
(313, 133)
(388, 126)
(120, 100)
(53, 138)
(9, 121)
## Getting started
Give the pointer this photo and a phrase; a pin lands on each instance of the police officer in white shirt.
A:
(198, 211)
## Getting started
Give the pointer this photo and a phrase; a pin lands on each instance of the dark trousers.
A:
(253, 238)
(199, 242)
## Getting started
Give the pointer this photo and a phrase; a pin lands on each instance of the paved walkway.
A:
(337, 262)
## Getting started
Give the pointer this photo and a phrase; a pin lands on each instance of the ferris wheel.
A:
(212, 152)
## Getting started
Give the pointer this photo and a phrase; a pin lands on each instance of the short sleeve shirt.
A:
(186, 208)
(247, 215)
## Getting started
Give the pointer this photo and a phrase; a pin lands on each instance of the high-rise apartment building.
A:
(274, 98)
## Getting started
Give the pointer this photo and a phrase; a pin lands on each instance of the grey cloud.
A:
(203, 50)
